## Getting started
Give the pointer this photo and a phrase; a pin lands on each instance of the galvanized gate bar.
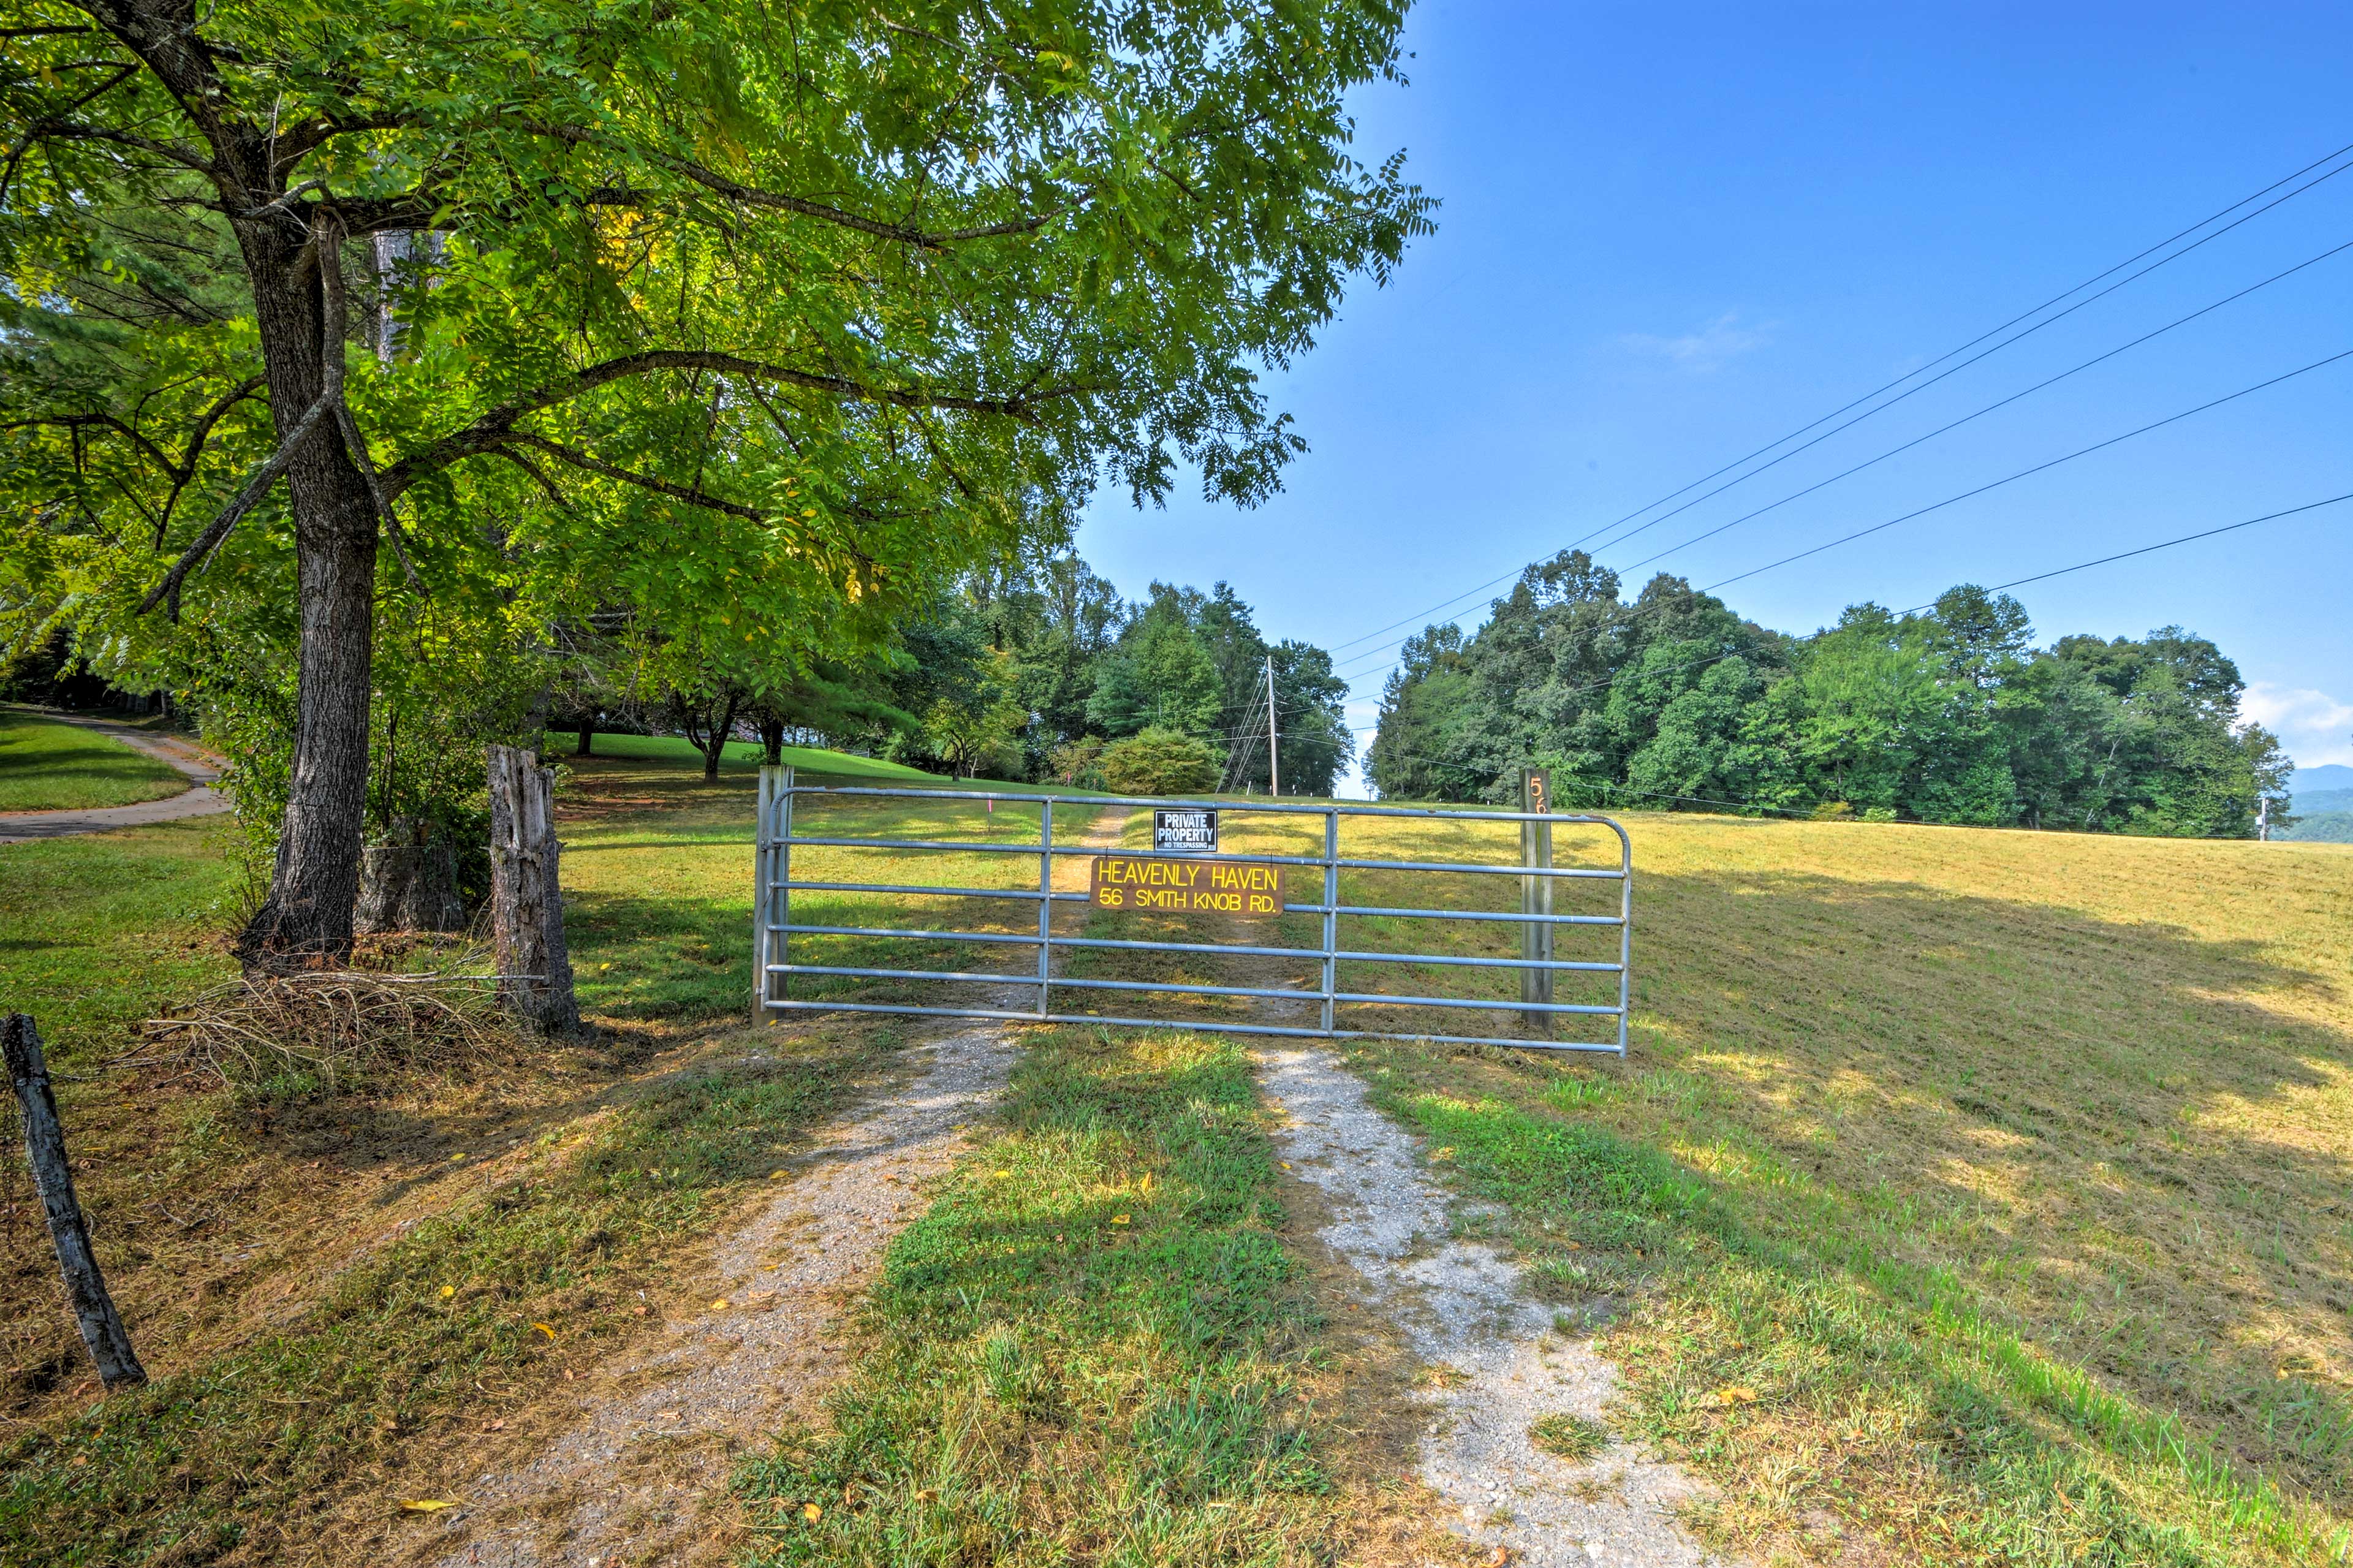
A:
(774, 928)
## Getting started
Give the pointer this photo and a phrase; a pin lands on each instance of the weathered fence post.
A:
(1536, 897)
(526, 894)
(45, 1150)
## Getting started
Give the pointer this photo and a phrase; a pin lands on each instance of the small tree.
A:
(1158, 762)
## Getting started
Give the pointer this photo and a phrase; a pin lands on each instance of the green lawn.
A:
(48, 766)
(98, 931)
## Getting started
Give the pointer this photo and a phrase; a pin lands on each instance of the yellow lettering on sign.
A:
(1171, 886)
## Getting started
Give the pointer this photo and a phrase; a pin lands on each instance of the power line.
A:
(1989, 408)
(2022, 473)
(2037, 310)
(1955, 370)
(1931, 364)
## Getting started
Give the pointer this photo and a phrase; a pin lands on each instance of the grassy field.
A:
(45, 765)
(2007, 1171)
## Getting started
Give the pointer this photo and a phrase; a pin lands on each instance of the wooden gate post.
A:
(527, 896)
(45, 1150)
(1536, 897)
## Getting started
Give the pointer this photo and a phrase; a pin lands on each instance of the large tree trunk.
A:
(588, 734)
(308, 915)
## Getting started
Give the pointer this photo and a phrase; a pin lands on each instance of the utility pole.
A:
(1274, 759)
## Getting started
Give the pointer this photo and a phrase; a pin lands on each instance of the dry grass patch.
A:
(2009, 1169)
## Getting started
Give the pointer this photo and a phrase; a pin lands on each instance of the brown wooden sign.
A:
(1149, 884)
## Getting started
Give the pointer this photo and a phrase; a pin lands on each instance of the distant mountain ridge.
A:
(2329, 778)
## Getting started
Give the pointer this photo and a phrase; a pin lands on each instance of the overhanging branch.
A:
(498, 427)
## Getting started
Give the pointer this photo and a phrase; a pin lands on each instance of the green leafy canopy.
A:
(760, 320)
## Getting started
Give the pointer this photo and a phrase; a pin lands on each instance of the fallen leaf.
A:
(1002, 1175)
(719, 1305)
(811, 1512)
(543, 1329)
(1730, 1394)
(1119, 1219)
(494, 1426)
(1147, 1185)
(1446, 1153)
(776, 1175)
(1286, 1164)
(1503, 1556)
(455, 1158)
(429, 1505)
(665, 1414)
(636, 1312)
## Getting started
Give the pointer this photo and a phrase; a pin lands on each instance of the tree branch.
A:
(187, 157)
(242, 502)
(580, 459)
(498, 426)
(751, 196)
(33, 132)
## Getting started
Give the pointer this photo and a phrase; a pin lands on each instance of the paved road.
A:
(200, 767)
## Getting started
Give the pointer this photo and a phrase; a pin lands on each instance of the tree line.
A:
(1948, 714)
(1033, 670)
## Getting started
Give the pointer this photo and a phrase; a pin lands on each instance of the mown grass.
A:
(1093, 1348)
(2008, 1170)
(96, 931)
(45, 765)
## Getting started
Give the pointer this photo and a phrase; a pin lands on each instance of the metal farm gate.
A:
(1189, 876)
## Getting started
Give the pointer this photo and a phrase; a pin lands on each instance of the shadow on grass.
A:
(266, 1448)
(2018, 1220)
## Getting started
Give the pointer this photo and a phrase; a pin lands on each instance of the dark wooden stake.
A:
(45, 1148)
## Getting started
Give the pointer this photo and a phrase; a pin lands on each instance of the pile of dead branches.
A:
(333, 1030)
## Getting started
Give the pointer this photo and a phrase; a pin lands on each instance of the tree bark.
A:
(588, 734)
(527, 895)
(44, 1149)
(719, 733)
(315, 885)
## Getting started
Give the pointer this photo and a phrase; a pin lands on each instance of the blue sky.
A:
(1673, 233)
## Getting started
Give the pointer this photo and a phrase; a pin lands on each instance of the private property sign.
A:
(1148, 884)
(1185, 830)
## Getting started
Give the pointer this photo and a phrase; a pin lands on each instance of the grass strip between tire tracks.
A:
(1094, 1347)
